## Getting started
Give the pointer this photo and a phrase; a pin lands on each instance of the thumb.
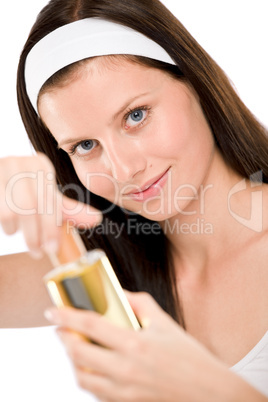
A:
(80, 214)
(146, 309)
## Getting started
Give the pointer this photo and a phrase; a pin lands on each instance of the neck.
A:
(216, 222)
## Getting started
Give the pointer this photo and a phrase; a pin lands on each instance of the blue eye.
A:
(83, 147)
(136, 117)
(87, 145)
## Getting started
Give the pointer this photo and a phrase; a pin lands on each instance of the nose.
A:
(125, 159)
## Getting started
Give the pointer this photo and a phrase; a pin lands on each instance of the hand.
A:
(158, 363)
(30, 200)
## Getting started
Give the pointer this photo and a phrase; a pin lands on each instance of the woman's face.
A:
(135, 135)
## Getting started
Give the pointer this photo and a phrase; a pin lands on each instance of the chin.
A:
(157, 216)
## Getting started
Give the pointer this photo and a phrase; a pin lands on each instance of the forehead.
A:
(102, 74)
(100, 64)
(97, 86)
(104, 65)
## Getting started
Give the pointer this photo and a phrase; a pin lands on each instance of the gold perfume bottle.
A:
(86, 280)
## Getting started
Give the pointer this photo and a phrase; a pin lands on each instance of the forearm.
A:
(23, 296)
(228, 387)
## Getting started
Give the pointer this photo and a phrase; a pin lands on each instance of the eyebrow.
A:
(115, 116)
(126, 105)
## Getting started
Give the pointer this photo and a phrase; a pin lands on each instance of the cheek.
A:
(182, 131)
(99, 183)
(171, 138)
(191, 134)
(186, 142)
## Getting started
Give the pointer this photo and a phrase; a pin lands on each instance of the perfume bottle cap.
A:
(71, 246)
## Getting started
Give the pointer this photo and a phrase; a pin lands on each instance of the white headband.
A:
(82, 39)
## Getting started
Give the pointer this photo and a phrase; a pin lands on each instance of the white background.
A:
(235, 33)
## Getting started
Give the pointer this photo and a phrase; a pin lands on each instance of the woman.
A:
(160, 133)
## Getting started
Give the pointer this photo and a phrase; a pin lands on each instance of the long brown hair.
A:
(142, 261)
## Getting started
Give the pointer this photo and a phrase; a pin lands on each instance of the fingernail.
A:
(36, 254)
(98, 219)
(51, 246)
(52, 315)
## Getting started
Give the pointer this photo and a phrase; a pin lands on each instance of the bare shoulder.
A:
(265, 208)
(257, 256)
(262, 236)
(23, 296)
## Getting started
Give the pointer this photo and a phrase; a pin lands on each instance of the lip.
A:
(150, 189)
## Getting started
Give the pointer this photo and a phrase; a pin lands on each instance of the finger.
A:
(146, 309)
(100, 386)
(92, 325)
(30, 227)
(48, 209)
(50, 226)
(10, 226)
(66, 209)
(80, 213)
(95, 359)
(111, 391)
(50, 236)
(8, 218)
